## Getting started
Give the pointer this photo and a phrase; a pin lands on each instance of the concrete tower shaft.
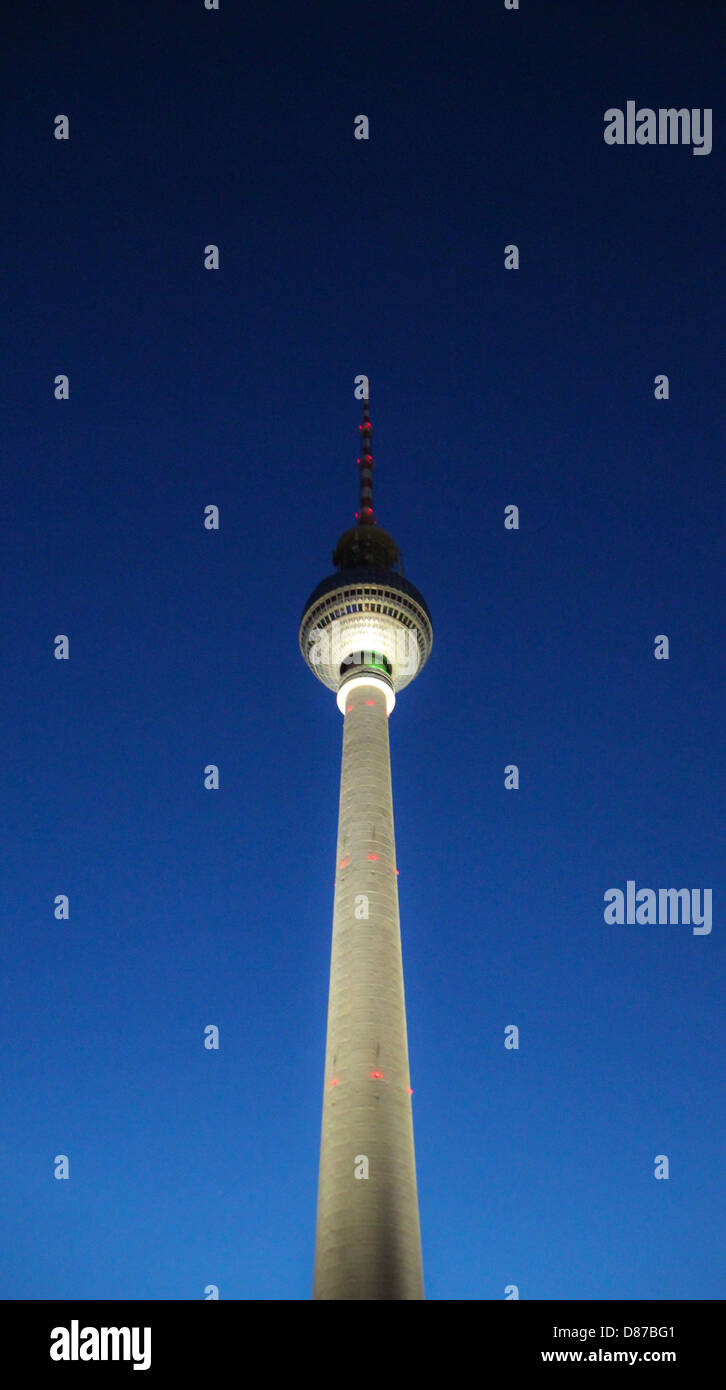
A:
(368, 1243)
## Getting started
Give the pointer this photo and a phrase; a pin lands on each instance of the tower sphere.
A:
(366, 619)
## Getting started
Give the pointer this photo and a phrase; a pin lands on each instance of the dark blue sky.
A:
(488, 387)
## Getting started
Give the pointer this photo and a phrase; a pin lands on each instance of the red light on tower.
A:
(372, 856)
(377, 1075)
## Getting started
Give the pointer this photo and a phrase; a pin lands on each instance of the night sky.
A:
(489, 388)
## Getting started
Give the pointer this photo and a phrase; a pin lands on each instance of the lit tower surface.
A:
(366, 633)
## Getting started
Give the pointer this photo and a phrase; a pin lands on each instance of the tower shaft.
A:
(368, 1243)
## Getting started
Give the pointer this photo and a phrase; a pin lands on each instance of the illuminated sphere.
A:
(367, 618)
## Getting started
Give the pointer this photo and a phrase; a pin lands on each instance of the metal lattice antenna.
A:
(365, 516)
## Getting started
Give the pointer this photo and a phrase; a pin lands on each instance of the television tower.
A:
(366, 633)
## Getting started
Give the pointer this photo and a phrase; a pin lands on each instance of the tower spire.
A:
(365, 516)
(366, 543)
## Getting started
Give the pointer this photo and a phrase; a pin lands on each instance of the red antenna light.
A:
(377, 1075)
(365, 515)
